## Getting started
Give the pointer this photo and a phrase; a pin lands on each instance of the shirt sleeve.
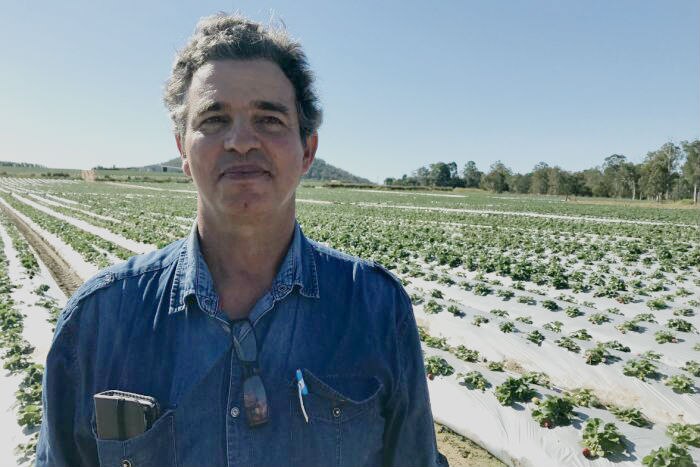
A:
(409, 437)
(62, 443)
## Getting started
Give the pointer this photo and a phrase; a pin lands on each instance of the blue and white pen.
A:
(302, 390)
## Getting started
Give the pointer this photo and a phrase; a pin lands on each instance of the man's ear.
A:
(309, 152)
(183, 156)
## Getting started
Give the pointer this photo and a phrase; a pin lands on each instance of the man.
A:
(261, 347)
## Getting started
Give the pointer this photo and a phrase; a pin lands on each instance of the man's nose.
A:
(241, 137)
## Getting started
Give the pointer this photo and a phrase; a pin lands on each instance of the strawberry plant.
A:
(475, 380)
(657, 304)
(663, 337)
(568, 344)
(597, 355)
(535, 337)
(615, 345)
(437, 366)
(584, 398)
(573, 312)
(681, 384)
(505, 294)
(479, 320)
(435, 293)
(680, 324)
(468, 355)
(648, 317)
(581, 334)
(526, 300)
(651, 355)
(416, 299)
(506, 327)
(550, 305)
(626, 326)
(495, 366)
(640, 368)
(554, 326)
(685, 435)
(536, 377)
(598, 318)
(684, 312)
(672, 456)
(455, 311)
(432, 307)
(514, 390)
(632, 416)
(692, 367)
(524, 319)
(554, 411)
(602, 442)
(482, 289)
(499, 313)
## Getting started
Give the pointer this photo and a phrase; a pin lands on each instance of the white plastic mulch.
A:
(82, 268)
(511, 433)
(37, 331)
(136, 247)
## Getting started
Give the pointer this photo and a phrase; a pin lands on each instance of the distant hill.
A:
(320, 170)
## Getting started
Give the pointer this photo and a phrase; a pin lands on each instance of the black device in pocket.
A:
(121, 415)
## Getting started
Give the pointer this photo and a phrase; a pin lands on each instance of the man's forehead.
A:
(240, 83)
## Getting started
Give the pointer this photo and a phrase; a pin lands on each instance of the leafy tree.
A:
(472, 175)
(539, 183)
(439, 174)
(497, 178)
(658, 171)
(520, 183)
(691, 168)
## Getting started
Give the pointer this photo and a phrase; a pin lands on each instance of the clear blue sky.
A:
(402, 84)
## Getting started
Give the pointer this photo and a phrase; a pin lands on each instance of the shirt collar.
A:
(193, 280)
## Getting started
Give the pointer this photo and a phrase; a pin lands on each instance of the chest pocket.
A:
(154, 448)
(345, 426)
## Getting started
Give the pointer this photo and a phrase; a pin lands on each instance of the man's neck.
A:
(243, 257)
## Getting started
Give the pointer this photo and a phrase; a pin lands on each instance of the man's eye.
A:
(212, 120)
(270, 120)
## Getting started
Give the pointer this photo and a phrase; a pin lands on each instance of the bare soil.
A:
(61, 271)
(461, 451)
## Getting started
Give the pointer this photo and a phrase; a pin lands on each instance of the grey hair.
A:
(222, 37)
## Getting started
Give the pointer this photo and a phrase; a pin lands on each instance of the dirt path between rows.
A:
(61, 271)
(461, 451)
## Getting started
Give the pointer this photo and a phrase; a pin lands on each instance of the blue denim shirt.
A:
(153, 326)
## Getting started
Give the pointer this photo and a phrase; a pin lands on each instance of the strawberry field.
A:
(555, 332)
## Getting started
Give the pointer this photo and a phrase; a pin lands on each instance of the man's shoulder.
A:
(335, 265)
(133, 268)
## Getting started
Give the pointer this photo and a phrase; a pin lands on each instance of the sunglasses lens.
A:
(255, 401)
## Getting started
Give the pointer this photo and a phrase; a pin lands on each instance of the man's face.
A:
(241, 144)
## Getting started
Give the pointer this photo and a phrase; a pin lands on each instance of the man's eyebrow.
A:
(209, 106)
(271, 106)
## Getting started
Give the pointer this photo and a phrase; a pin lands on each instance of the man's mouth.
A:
(244, 172)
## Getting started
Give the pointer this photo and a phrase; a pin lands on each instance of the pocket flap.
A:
(339, 397)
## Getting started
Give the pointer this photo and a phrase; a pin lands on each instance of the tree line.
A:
(671, 172)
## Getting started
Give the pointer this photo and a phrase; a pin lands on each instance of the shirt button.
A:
(336, 412)
(235, 412)
(126, 463)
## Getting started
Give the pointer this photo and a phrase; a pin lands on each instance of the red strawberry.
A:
(586, 453)
(547, 424)
(431, 376)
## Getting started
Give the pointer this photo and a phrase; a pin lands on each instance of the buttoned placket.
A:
(237, 433)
